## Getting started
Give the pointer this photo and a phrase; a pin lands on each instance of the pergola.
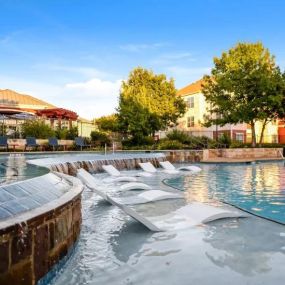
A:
(58, 114)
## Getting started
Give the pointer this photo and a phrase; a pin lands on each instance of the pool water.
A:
(114, 249)
(258, 188)
(14, 168)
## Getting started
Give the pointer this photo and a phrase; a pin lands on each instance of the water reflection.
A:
(258, 188)
(15, 168)
(245, 247)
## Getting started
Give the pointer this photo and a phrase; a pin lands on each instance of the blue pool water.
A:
(14, 168)
(258, 188)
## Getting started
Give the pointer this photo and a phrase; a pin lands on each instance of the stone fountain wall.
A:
(95, 166)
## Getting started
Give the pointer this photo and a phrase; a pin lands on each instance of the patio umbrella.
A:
(3, 118)
(22, 117)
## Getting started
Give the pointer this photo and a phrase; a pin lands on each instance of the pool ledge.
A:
(32, 242)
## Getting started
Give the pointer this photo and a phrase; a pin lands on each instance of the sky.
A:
(75, 53)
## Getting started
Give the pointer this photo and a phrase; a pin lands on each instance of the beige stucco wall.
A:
(200, 109)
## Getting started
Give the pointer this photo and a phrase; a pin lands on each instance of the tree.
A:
(107, 123)
(245, 86)
(148, 103)
(37, 128)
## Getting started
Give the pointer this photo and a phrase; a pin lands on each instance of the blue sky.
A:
(74, 53)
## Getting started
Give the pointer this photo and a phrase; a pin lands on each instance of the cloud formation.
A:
(90, 99)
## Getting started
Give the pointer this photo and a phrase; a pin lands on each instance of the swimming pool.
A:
(14, 168)
(115, 249)
(258, 188)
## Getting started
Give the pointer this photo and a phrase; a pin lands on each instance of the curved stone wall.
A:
(34, 241)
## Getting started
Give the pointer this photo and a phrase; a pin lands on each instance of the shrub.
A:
(61, 133)
(225, 140)
(37, 128)
(170, 144)
(138, 142)
(180, 136)
(100, 138)
(72, 133)
(237, 144)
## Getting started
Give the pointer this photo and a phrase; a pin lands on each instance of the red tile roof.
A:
(191, 89)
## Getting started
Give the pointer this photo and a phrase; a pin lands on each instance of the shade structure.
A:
(23, 116)
(57, 113)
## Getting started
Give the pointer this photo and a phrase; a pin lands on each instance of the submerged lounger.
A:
(111, 170)
(90, 179)
(187, 216)
(170, 167)
(145, 197)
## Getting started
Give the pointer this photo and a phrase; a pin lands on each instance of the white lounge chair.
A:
(145, 197)
(135, 186)
(190, 215)
(114, 172)
(149, 168)
(90, 179)
(168, 166)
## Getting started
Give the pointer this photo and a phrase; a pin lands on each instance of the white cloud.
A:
(141, 47)
(82, 70)
(89, 99)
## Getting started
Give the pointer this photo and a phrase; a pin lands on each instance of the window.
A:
(239, 137)
(190, 122)
(190, 102)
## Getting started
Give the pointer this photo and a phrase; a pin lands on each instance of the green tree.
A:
(37, 128)
(107, 123)
(245, 86)
(148, 103)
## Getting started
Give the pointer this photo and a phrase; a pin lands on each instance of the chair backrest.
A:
(31, 141)
(53, 141)
(79, 141)
(3, 141)
(167, 165)
(148, 167)
(110, 169)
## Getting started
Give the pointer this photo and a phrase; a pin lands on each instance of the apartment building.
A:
(194, 117)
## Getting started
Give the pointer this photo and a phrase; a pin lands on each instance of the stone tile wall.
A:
(243, 153)
(28, 251)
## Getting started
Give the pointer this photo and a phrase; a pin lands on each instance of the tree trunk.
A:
(262, 131)
(253, 136)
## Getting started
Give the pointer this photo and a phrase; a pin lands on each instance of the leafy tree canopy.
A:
(245, 86)
(148, 103)
(107, 123)
(37, 128)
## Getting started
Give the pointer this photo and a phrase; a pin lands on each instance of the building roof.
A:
(193, 88)
(12, 99)
(58, 113)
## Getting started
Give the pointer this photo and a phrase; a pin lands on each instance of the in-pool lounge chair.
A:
(125, 187)
(4, 142)
(142, 198)
(187, 216)
(167, 166)
(117, 175)
(149, 168)
(31, 143)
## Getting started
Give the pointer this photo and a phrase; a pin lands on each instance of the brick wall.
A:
(28, 251)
